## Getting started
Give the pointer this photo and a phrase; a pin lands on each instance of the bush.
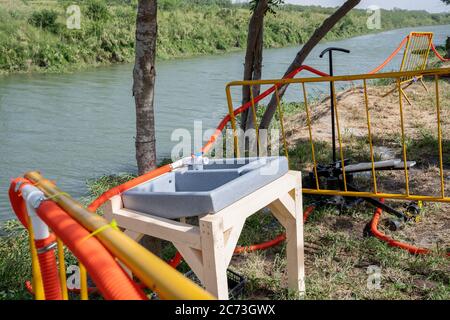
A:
(44, 19)
(97, 10)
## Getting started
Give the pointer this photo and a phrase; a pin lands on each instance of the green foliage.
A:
(97, 186)
(190, 4)
(97, 10)
(169, 4)
(272, 5)
(33, 37)
(45, 19)
(15, 262)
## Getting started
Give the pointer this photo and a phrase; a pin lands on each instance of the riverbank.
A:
(34, 36)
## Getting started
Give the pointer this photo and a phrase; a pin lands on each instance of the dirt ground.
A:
(421, 138)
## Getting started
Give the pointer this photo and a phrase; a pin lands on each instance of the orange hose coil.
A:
(49, 269)
(111, 280)
(438, 55)
(391, 242)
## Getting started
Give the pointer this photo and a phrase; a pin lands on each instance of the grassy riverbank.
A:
(34, 36)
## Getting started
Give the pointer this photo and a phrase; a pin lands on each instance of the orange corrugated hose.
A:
(97, 203)
(17, 202)
(394, 53)
(438, 54)
(111, 280)
(391, 56)
(49, 269)
(391, 242)
(46, 259)
(277, 240)
(177, 259)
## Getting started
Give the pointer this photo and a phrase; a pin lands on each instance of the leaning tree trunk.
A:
(144, 84)
(318, 35)
(447, 47)
(143, 91)
(253, 59)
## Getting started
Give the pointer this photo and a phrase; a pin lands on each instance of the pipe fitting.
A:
(50, 246)
(33, 199)
(195, 160)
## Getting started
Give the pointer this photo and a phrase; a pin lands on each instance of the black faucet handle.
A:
(333, 49)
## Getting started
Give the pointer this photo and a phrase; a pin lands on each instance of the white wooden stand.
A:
(208, 248)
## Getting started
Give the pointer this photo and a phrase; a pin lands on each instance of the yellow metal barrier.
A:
(415, 58)
(151, 270)
(399, 77)
(234, 126)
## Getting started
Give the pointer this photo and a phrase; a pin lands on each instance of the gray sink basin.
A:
(189, 192)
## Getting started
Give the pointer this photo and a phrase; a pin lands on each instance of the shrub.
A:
(44, 19)
(97, 10)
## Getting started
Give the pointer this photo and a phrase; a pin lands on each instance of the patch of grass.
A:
(99, 185)
(425, 148)
(15, 262)
(300, 155)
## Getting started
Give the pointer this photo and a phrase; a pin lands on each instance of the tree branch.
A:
(318, 35)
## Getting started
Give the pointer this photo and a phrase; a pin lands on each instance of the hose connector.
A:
(197, 161)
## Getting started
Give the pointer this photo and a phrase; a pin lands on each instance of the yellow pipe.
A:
(430, 43)
(405, 52)
(308, 118)
(151, 270)
(430, 72)
(369, 129)
(38, 285)
(83, 283)
(364, 194)
(402, 123)
(441, 162)
(281, 115)
(255, 119)
(233, 122)
(62, 269)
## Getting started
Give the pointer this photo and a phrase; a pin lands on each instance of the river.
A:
(77, 126)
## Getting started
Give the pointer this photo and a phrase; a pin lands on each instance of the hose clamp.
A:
(48, 247)
(18, 185)
(35, 203)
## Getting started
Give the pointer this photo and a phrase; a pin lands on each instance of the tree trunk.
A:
(144, 84)
(318, 35)
(253, 59)
(447, 47)
(143, 91)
